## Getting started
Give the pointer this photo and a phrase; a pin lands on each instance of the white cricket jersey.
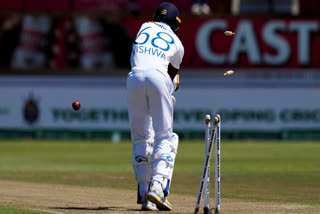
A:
(156, 46)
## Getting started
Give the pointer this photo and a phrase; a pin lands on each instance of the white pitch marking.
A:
(48, 211)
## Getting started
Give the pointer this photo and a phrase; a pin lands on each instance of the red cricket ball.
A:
(76, 105)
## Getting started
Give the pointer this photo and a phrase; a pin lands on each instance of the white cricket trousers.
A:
(150, 113)
(150, 105)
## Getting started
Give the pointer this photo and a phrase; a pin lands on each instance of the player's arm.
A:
(173, 73)
(174, 65)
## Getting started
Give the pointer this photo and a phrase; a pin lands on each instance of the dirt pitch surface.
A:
(65, 199)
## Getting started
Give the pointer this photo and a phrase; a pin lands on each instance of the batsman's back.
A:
(156, 46)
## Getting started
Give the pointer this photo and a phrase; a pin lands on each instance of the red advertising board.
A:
(96, 5)
(257, 43)
(40, 5)
(11, 5)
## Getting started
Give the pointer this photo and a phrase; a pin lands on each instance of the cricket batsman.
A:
(157, 53)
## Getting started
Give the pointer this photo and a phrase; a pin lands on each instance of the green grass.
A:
(10, 210)
(260, 171)
(263, 171)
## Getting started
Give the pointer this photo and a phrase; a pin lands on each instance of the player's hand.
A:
(176, 82)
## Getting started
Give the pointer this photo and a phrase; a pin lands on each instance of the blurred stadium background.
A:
(53, 52)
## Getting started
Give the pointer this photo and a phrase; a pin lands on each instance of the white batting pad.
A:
(141, 162)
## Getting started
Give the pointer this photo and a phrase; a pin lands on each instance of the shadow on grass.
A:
(83, 208)
(95, 208)
(99, 209)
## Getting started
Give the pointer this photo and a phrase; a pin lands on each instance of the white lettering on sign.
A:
(304, 29)
(247, 41)
(269, 35)
(203, 42)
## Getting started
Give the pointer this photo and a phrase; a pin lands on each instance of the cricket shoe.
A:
(156, 196)
(148, 206)
(145, 204)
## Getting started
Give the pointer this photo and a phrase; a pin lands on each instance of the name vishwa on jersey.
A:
(149, 50)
